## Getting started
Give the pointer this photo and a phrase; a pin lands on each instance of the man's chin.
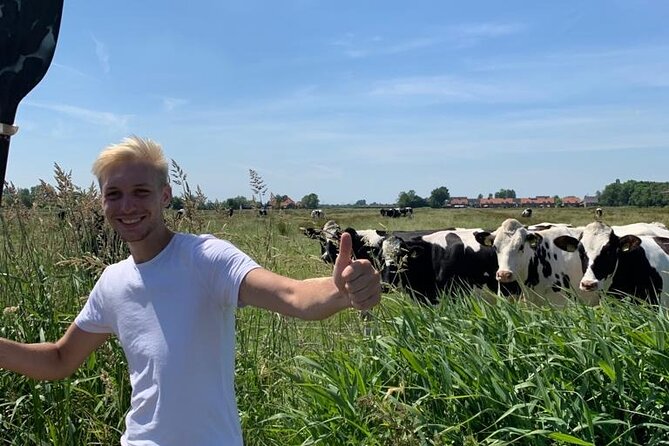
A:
(130, 237)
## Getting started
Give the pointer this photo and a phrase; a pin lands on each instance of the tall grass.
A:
(466, 372)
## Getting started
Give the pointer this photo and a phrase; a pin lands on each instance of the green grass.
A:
(465, 372)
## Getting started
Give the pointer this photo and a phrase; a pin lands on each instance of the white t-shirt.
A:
(175, 319)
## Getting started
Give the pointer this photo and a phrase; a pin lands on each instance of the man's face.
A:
(133, 200)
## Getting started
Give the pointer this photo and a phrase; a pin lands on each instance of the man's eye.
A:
(111, 195)
(143, 192)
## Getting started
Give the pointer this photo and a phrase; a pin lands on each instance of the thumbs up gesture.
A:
(356, 280)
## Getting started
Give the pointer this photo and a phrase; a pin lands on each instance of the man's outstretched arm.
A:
(353, 284)
(50, 360)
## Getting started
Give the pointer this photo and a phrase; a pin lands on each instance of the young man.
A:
(172, 306)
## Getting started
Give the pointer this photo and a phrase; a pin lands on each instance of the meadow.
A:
(465, 372)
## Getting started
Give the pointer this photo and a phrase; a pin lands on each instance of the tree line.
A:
(628, 193)
(635, 193)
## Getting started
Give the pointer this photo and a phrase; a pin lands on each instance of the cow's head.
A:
(328, 237)
(600, 250)
(515, 247)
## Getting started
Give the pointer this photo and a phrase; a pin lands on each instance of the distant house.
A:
(288, 203)
(590, 200)
(540, 201)
(457, 202)
(571, 201)
(497, 203)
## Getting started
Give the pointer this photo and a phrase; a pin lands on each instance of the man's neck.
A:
(144, 250)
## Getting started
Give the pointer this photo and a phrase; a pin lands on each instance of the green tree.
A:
(438, 196)
(310, 201)
(505, 193)
(237, 202)
(361, 203)
(177, 202)
(410, 199)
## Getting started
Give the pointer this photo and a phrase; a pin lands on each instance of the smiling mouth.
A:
(130, 221)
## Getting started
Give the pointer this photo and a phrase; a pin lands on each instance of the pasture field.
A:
(466, 372)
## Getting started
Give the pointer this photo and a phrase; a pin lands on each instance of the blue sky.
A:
(359, 99)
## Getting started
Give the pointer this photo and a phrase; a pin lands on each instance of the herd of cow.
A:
(548, 263)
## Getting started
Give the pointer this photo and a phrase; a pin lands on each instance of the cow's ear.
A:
(534, 240)
(415, 251)
(566, 243)
(484, 237)
(629, 243)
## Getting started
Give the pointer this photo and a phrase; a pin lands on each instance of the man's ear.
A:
(166, 197)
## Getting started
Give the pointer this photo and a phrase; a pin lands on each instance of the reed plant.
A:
(468, 371)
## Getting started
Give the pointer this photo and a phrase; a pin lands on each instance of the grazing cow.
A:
(530, 258)
(366, 242)
(397, 212)
(448, 261)
(231, 211)
(180, 213)
(598, 213)
(317, 213)
(527, 213)
(262, 212)
(391, 212)
(623, 263)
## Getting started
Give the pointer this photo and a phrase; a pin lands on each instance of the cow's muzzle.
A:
(589, 285)
(504, 276)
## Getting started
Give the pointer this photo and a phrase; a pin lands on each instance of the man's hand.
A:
(356, 280)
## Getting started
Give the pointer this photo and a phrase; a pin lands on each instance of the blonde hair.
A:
(132, 149)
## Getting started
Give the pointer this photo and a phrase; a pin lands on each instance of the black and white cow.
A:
(366, 242)
(449, 262)
(328, 237)
(317, 213)
(547, 225)
(623, 264)
(397, 212)
(527, 213)
(530, 258)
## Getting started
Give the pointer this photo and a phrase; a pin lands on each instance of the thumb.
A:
(343, 259)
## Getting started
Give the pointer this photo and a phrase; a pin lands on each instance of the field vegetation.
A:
(466, 372)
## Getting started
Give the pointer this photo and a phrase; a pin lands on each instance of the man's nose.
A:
(127, 203)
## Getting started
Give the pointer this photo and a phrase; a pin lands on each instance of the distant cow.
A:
(635, 265)
(180, 213)
(527, 213)
(530, 258)
(317, 213)
(397, 212)
(450, 262)
(598, 213)
(262, 212)
(231, 211)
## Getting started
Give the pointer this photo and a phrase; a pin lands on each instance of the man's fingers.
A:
(343, 259)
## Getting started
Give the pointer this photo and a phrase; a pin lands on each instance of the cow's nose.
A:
(504, 276)
(588, 285)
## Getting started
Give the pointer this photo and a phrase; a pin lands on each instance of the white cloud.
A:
(170, 104)
(105, 119)
(103, 55)
(453, 88)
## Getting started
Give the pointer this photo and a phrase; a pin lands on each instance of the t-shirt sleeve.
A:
(227, 269)
(92, 317)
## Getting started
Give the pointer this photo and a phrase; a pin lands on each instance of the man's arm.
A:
(353, 284)
(47, 360)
